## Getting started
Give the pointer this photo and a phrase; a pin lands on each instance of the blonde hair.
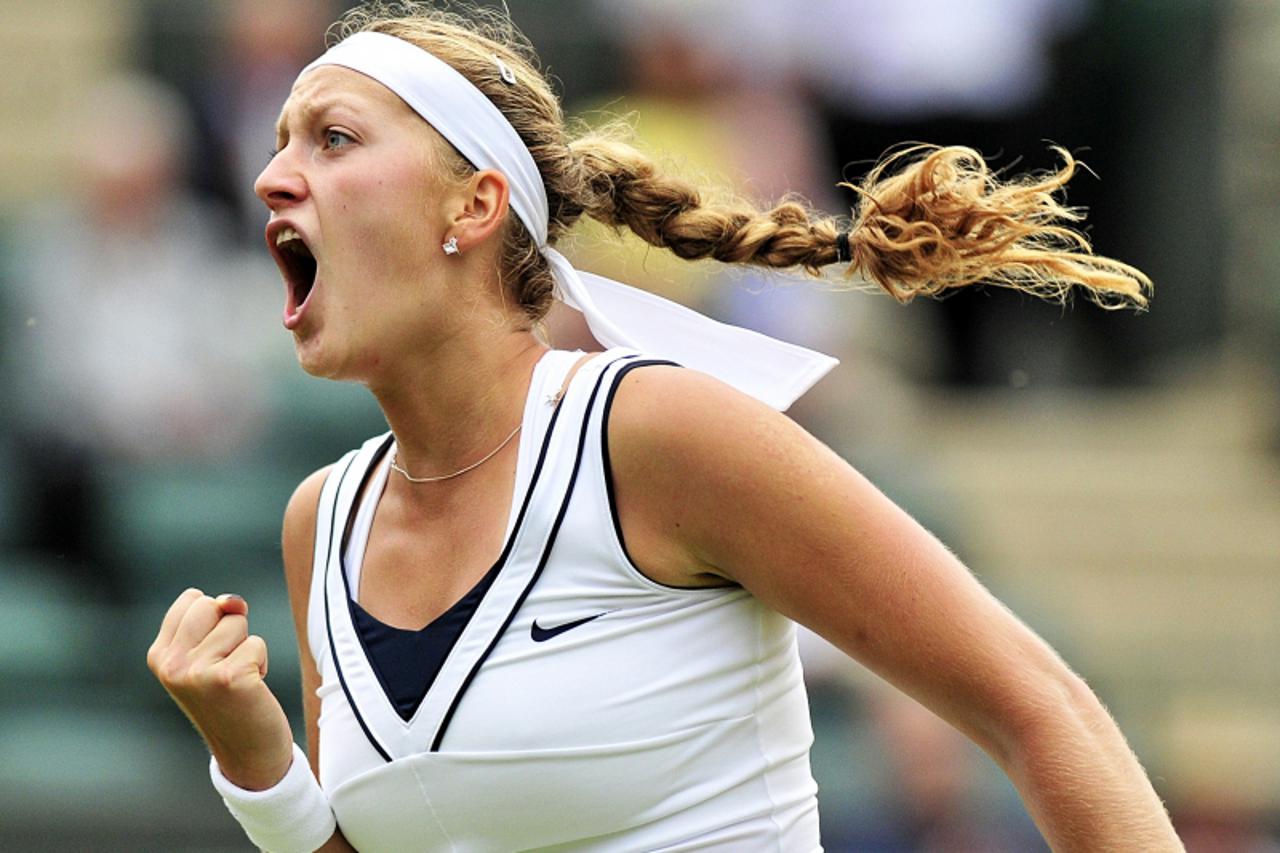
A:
(928, 220)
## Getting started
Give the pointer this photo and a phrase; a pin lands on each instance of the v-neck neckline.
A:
(549, 463)
(352, 553)
(443, 630)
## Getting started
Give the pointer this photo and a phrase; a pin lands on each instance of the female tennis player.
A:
(608, 549)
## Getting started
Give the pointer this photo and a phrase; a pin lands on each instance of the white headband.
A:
(773, 371)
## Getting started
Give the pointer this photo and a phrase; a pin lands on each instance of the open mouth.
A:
(298, 265)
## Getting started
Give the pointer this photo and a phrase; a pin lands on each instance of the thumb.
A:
(232, 604)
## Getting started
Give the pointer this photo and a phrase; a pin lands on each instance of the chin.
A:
(339, 366)
(314, 361)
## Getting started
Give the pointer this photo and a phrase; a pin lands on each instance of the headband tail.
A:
(775, 372)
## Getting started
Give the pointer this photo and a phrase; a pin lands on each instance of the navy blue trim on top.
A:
(328, 620)
(542, 561)
(604, 453)
(608, 477)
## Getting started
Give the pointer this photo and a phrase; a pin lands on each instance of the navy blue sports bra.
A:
(407, 661)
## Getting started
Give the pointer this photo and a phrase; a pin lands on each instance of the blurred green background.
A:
(1112, 476)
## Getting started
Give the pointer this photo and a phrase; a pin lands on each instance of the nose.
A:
(281, 183)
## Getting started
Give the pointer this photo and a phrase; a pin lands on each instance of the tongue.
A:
(301, 284)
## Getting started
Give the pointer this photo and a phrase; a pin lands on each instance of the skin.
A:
(809, 535)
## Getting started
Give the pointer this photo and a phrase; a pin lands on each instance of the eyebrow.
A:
(309, 110)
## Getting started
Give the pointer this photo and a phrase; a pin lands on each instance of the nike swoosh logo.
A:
(541, 635)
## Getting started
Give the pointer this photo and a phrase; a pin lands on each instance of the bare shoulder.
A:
(681, 409)
(691, 458)
(670, 418)
(300, 513)
(298, 536)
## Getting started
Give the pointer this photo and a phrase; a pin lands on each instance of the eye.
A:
(271, 155)
(334, 139)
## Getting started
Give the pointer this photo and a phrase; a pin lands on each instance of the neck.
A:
(453, 408)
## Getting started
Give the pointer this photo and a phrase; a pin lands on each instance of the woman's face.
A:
(358, 213)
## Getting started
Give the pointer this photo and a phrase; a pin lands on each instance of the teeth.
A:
(285, 235)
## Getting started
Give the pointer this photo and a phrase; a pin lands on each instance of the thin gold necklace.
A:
(412, 479)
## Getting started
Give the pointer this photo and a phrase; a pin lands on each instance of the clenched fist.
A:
(214, 668)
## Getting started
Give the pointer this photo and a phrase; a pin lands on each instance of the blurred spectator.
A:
(982, 59)
(895, 778)
(977, 74)
(938, 794)
(1204, 830)
(712, 100)
(264, 47)
(134, 345)
(1008, 78)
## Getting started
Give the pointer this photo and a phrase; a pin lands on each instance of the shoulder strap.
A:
(331, 520)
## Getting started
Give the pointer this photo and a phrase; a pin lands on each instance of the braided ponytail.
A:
(930, 220)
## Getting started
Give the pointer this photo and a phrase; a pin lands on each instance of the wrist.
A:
(258, 770)
(291, 816)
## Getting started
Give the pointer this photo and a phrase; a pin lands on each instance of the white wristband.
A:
(293, 816)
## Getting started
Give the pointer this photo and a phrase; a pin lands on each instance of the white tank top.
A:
(584, 706)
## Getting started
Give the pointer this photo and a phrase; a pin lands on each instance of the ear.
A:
(486, 200)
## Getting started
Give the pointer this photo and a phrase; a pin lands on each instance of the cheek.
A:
(389, 219)
(384, 242)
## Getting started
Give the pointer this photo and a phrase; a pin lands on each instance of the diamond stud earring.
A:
(451, 247)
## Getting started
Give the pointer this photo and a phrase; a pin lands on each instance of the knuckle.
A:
(186, 597)
(156, 660)
(223, 678)
(173, 672)
(203, 611)
(206, 679)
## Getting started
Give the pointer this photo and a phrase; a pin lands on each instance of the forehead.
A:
(331, 86)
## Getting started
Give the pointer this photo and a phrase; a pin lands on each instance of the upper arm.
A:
(298, 542)
(734, 489)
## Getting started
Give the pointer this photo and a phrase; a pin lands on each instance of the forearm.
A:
(1082, 784)
(254, 764)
